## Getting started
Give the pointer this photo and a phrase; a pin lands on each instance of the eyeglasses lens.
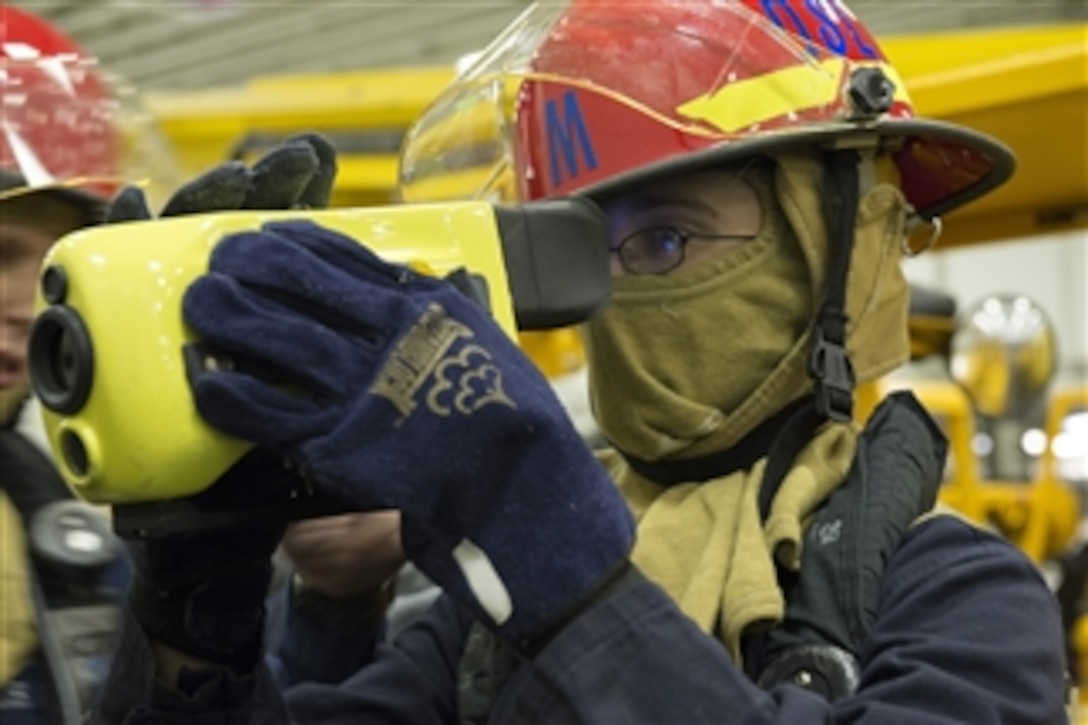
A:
(652, 251)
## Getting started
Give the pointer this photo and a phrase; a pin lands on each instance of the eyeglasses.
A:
(658, 250)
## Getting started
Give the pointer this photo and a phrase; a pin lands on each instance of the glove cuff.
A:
(623, 578)
(220, 620)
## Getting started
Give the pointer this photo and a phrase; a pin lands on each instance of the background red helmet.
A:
(65, 125)
(596, 95)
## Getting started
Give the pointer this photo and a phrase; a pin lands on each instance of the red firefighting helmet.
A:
(594, 96)
(66, 127)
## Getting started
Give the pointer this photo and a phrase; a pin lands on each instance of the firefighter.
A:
(747, 552)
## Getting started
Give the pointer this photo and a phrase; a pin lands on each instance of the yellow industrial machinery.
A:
(996, 379)
(996, 363)
(1041, 514)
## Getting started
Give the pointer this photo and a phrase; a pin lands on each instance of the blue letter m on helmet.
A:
(567, 135)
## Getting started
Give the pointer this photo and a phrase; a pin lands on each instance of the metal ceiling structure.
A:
(165, 45)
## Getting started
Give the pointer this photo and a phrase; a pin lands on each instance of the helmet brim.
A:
(92, 206)
(890, 134)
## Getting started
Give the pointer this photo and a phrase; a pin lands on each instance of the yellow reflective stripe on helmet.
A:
(745, 103)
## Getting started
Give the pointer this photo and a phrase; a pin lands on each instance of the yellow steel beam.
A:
(205, 126)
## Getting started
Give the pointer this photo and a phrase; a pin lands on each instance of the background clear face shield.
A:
(68, 127)
(593, 97)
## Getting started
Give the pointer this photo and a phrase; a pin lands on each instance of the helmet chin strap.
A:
(829, 363)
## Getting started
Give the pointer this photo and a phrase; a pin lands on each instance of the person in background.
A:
(61, 564)
(62, 572)
(748, 551)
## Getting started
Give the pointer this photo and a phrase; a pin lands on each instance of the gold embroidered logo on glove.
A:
(436, 352)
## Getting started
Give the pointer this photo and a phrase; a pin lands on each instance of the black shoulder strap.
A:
(832, 605)
(27, 475)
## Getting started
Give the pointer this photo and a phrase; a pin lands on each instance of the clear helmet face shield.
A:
(69, 127)
(594, 96)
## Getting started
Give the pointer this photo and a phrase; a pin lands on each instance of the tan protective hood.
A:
(686, 364)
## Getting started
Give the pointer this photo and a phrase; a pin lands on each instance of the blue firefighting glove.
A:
(203, 592)
(394, 390)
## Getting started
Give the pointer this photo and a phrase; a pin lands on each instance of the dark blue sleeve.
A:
(967, 633)
(311, 638)
(132, 696)
(412, 680)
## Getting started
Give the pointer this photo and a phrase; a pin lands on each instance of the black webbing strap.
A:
(792, 437)
(27, 475)
(829, 364)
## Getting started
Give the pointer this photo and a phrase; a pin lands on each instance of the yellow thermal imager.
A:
(109, 347)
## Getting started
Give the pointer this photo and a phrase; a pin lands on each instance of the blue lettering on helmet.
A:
(830, 32)
(567, 136)
(821, 22)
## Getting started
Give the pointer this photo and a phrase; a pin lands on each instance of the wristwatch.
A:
(344, 615)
